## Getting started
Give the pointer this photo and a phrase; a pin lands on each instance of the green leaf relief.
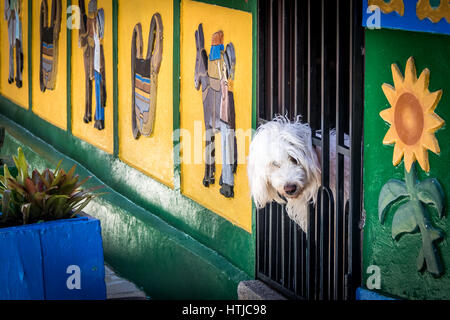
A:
(392, 192)
(430, 192)
(404, 221)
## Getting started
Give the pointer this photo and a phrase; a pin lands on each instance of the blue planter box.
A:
(56, 260)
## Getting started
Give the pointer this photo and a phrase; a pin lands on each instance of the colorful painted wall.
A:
(157, 208)
(406, 155)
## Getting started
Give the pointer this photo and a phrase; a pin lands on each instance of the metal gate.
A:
(311, 63)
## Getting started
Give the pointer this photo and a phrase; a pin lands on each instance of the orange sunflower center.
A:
(408, 118)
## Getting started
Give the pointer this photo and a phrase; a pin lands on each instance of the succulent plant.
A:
(45, 196)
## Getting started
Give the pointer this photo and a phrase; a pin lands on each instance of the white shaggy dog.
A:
(283, 166)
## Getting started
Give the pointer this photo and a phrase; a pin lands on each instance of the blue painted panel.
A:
(34, 260)
(364, 294)
(20, 266)
(409, 21)
(79, 244)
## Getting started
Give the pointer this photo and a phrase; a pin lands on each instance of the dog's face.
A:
(285, 171)
(283, 165)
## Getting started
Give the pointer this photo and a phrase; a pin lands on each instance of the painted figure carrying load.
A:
(12, 15)
(90, 36)
(215, 74)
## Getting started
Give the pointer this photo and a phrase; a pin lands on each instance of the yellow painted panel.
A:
(153, 155)
(10, 91)
(50, 105)
(237, 28)
(104, 139)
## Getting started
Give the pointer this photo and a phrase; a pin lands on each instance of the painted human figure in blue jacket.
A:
(90, 39)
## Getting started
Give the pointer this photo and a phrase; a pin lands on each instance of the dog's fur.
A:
(283, 166)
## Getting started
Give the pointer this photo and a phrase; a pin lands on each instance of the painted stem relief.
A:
(412, 215)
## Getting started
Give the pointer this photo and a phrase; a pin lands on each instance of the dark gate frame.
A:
(311, 63)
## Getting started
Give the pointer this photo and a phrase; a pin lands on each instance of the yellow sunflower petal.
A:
(430, 142)
(409, 159)
(422, 157)
(433, 122)
(423, 81)
(391, 95)
(398, 153)
(431, 100)
(387, 115)
(410, 72)
(397, 77)
(390, 137)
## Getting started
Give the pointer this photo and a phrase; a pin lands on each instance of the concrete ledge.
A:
(257, 290)
(118, 288)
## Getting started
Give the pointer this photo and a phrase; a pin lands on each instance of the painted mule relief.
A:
(144, 76)
(13, 12)
(49, 40)
(90, 38)
(413, 124)
(215, 75)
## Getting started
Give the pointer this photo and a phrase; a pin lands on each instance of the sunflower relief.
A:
(412, 126)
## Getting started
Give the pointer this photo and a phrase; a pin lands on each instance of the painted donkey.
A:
(215, 75)
(49, 39)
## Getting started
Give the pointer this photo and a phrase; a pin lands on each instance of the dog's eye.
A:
(293, 160)
(275, 164)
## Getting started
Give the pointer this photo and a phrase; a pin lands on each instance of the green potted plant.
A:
(48, 250)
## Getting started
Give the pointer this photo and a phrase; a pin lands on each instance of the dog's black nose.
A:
(290, 189)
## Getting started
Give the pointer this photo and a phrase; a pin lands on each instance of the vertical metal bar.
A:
(303, 14)
(337, 209)
(292, 277)
(281, 58)
(308, 74)
(269, 70)
(294, 65)
(294, 59)
(266, 241)
(356, 96)
(261, 65)
(310, 235)
(270, 243)
(258, 253)
(283, 246)
(324, 154)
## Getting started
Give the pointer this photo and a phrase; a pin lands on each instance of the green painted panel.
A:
(165, 262)
(397, 260)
